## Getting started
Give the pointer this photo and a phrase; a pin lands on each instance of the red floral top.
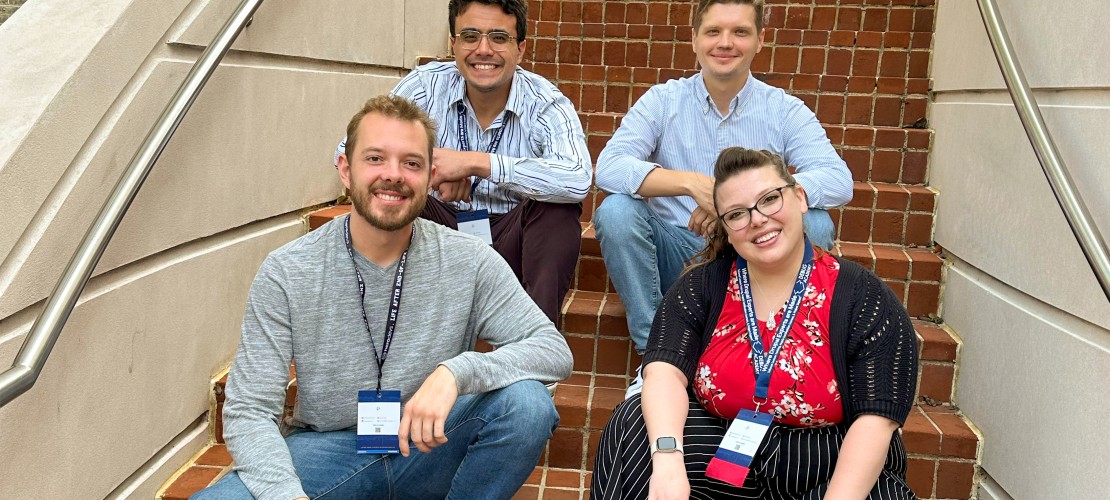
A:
(803, 391)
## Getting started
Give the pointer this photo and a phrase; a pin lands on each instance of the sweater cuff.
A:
(672, 358)
(462, 367)
(889, 409)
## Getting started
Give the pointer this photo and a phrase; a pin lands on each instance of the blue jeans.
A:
(494, 441)
(645, 255)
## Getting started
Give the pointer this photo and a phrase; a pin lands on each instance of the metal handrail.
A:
(1079, 218)
(44, 333)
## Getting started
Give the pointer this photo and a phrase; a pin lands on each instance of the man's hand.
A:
(455, 190)
(426, 412)
(453, 165)
(668, 478)
(700, 188)
(701, 222)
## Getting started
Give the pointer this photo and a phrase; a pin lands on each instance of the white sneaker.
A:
(637, 385)
(551, 388)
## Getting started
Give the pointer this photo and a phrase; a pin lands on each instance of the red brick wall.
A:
(862, 66)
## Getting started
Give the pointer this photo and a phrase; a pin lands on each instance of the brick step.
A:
(880, 213)
(913, 16)
(882, 101)
(597, 333)
(887, 214)
(888, 155)
(913, 273)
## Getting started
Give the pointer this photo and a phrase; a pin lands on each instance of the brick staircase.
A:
(862, 65)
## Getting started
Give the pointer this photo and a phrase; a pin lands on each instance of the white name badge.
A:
(742, 439)
(379, 419)
(476, 223)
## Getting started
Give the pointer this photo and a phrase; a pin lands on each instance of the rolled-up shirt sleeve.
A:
(823, 174)
(623, 165)
(561, 171)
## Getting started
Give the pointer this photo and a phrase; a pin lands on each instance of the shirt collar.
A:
(739, 101)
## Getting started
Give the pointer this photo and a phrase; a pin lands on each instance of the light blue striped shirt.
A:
(675, 125)
(542, 155)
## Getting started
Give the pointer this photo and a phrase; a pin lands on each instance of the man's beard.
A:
(395, 218)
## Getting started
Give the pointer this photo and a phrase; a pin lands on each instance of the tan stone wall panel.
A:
(1034, 382)
(258, 142)
(1059, 45)
(997, 212)
(332, 30)
(131, 369)
(56, 91)
(1035, 324)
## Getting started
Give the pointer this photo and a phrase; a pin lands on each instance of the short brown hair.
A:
(704, 5)
(391, 106)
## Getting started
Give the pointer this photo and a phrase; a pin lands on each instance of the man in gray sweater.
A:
(370, 355)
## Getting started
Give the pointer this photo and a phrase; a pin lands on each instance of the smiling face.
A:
(487, 70)
(767, 241)
(387, 175)
(727, 41)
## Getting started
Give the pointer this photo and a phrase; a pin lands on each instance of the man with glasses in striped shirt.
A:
(509, 143)
(658, 166)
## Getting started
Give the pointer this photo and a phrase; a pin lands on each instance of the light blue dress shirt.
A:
(675, 125)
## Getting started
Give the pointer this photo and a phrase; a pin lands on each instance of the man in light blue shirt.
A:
(509, 142)
(658, 166)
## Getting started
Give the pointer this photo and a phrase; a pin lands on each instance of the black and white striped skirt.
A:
(792, 463)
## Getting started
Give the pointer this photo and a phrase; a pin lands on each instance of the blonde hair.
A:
(704, 5)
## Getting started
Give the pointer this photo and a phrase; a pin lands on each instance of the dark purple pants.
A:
(539, 240)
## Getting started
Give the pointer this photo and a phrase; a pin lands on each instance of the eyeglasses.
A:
(770, 204)
(498, 40)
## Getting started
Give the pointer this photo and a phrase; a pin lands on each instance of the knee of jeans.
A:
(819, 227)
(618, 213)
(530, 406)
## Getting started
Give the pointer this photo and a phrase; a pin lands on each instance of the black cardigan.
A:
(874, 347)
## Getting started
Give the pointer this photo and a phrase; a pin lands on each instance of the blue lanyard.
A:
(464, 142)
(764, 360)
(394, 301)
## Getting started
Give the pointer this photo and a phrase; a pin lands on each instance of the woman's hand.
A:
(668, 478)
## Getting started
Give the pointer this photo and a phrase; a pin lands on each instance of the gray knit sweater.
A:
(304, 304)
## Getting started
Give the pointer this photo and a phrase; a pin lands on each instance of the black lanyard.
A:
(764, 360)
(464, 142)
(394, 301)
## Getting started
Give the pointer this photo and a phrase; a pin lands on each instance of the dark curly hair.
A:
(516, 8)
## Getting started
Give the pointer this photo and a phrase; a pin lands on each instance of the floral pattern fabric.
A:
(803, 390)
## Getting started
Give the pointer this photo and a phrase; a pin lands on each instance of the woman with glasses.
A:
(774, 370)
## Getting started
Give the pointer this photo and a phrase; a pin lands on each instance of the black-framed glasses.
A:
(498, 40)
(770, 204)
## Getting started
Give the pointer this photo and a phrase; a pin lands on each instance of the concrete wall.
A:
(8, 7)
(118, 404)
(1035, 325)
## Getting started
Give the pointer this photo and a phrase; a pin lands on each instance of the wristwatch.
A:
(666, 444)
